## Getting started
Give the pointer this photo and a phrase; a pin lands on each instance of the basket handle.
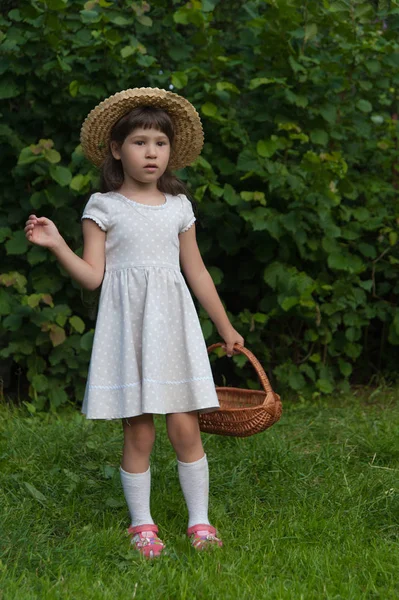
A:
(255, 363)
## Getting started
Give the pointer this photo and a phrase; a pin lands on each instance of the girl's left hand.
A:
(231, 338)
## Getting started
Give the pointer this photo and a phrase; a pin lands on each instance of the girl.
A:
(149, 354)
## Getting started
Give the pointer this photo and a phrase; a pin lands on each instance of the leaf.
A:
(75, 477)
(63, 64)
(61, 175)
(181, 16)
(127, 51)
(57, 4)
(364, 105)
(288, 302)
(353, 350)
(5, 232)
(90, 16)
(373, 66)
(247, 161)
(8, 89)
(57, 396)
(361, 213)
(295, 378)
(108, 471)
(144, 20)
(230, 195)
(38, 199)
(258, 81)
(345, 262)
(367, 250)
(208, 5)
(344, 367)
(33, 300)
(226, 85)
(316, 358)
(86, 341)
(15, 15)
(318, 136)
(339, 6)
(216, 190)
(297, 99)
(240, 360)
(329, 113)
(37, 254)
(325, 386)
(261, 318)
(15, 279)
(247, 196)
(31, 407)
(199, 192)
(145, 61)
(57, 335)
(216, 274)
(35, 493)
(52, 156)
(74, 88)
(367, 285)
(207, 328)
(209, 109)
(377, 119)
(179, 79)
(120, 20)
(77, 324)
(12, 322)
(266, 148)
(26, 157)
(40, 383)
(295, 65)
(18, 244)
(310, 31)
(79, 182)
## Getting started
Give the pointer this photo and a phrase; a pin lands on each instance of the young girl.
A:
(149, 355)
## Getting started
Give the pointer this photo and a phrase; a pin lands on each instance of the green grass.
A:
(308, 509)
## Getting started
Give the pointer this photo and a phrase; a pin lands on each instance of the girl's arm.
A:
(201, 283)
(87, 271)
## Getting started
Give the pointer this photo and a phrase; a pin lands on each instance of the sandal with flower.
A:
(146, 541)
(203, 536)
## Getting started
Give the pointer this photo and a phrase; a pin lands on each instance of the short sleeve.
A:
(97, 210)
(187, 214)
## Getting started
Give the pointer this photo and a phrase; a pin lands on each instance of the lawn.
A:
(307, 510)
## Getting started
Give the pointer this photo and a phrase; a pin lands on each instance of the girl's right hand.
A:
(41, 231)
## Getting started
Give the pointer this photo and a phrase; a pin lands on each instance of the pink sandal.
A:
(146, 541)
(203, 536)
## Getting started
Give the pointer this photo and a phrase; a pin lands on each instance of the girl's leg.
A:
(184, 434)
(139, 437)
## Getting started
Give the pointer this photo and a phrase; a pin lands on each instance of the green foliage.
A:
(297, 183)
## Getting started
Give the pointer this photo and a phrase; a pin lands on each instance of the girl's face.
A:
(144, 154)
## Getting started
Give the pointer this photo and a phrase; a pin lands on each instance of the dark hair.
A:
(146, 117)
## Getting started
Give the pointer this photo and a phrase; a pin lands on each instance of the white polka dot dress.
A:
(149, 354)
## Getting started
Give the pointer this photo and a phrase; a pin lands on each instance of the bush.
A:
(297, 185)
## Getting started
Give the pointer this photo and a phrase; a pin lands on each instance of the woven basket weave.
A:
(243, 412)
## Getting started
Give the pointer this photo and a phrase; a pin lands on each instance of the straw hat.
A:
(189, 135)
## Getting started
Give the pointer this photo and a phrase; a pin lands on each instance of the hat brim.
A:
(189, 135)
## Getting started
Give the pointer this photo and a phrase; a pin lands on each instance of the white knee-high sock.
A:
(137, 489)
(194, 481)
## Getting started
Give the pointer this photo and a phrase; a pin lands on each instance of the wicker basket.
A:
(243, 412)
